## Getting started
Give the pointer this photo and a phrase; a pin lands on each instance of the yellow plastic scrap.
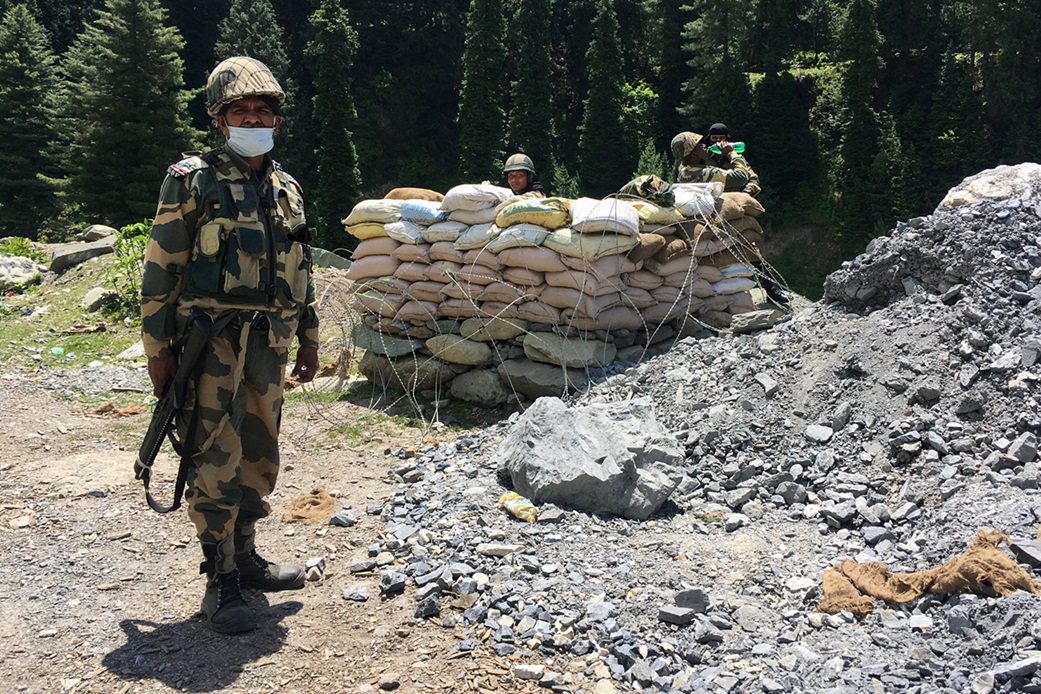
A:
(519, 506)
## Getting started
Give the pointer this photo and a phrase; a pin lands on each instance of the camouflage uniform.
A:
(227, 238)
(731, 170)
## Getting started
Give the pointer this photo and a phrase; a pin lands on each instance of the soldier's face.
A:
(518, 180)
(251, 112)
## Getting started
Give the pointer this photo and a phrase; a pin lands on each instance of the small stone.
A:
(429, 607)
(673, 614)
(358, 592)
(734, 521)
(526, 671)
(389, 681)
(693, 598)
(819, 433)
(497, 550)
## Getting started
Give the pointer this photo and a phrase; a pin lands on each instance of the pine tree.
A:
(672, 70)
(718, 90)
(956, 133)
(782, 148)
(606, 151)
(339, 181)
(129, 110)
(531, 115)
(482, 118)
(31, 94)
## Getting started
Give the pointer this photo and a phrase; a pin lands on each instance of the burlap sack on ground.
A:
(851, 586)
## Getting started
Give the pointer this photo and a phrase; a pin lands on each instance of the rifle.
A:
(162, 425)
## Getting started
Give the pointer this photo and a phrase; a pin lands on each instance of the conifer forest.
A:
(855, 113)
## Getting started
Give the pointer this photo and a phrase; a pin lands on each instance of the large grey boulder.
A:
(459, 350)
(324, 258)
(1000, 183)
(572, 352)
(69, 255)
(411, 372)
(96, 232)
(612, 458)
(534, 379)
(482, 386)
(16, 271)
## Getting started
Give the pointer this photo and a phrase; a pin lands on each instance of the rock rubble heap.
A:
(889, 423)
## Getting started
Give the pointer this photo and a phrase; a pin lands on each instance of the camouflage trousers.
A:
(237, 400)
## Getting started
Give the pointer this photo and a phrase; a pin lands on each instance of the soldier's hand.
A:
(306, 364)
(160, 371)
(726, 148)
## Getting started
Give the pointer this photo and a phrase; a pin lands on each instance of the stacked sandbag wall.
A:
(500, 295)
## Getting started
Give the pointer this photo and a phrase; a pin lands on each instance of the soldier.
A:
(698, 165)
(519, 171)
(230, 239)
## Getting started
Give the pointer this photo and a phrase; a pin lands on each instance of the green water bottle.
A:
(739, 147)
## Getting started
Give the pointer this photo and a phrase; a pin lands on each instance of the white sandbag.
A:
(697, 199)
(550, 213)
(477, 236)
(405, 232)
(518, 236)
(471, 217)
(409, 253)
(736, 270)
(444, 231)
(733, 285)
(380, 211)
(382, 245)
(535, 259)
(589, 246)
(608, 215)
(372, 266)
(425, 212)
(474, 196)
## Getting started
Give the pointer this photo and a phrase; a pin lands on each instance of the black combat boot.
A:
(257, 572)
(226, 612)
(773, 292)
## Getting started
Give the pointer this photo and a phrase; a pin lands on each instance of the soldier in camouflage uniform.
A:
(230, 239)
(698, 165)
(519, 171)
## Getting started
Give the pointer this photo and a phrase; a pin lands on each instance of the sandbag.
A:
(584, 282)
(538, 312)
(386, 285)
(735, 270)
(405, 232)
(700, 288)
(659, 313)
(412, 253)
(523, 276)
(708, 273)
(413, 272)
(616, 318)
(471, 217)
(366, 230)
(474, 196)
(443, 271)
(498, 309)
(679, 264)
(425, 291)
(444, 231)
(667, 295)
(603, 269)
(478, 274)
(458, 308)
(376, 211)
(741, 302)
(650, 244)
(609, 215)
(644, 279)
(507, 293)
(549, 213)
(589, 246)
(418, 311)
(413, 194)
(477, 236)
(698, 199)
(372, 266)
(733, 285)
(424, 212)
(535, 259)
(482, 256)
(444, 250)
(637, 298)
(738, 204)
(518, 236)
(381, 245)
(676, 248)
(654, 214)
(378, 303)
(579, 303)
(461, 290)
(683, 278)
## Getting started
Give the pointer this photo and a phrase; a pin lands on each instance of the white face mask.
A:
(251, 142)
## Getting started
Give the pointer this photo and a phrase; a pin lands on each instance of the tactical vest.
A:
(255, 247)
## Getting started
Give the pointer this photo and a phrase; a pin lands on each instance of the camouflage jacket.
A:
(731, 170)
(227, 237)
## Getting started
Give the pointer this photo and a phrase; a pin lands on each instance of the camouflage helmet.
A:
(685, 143)
(237, 78)
(518, 162)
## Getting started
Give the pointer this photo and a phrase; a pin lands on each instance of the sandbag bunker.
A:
(500, 295)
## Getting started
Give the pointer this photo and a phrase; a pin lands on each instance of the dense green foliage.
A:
(856, 112)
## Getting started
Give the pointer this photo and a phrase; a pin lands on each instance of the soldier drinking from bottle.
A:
(712, 157)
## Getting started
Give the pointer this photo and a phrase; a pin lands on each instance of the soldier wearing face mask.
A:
(230, 240)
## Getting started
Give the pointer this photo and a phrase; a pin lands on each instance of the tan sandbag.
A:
(617, 318)
(413, 194)
(655, 214)
(478, 274)
(743, 225)
(535, 259)
(538, 312)
(366, 230)
(424, 291)
(523, 277)
(413, 272)
(678, 264)
(472, 217)
(550, 213)
(445, 250)
(461, 290)
(683, 278)
(589, 246)
(637, 298)
(458, 308)
(659, 313)
(482, 256)
(378, 303)
(738, 204)
(644, 279)
(719, 302)
(418, 311)
(850, 586)
(741, 302)
(730, 256)
(604, 269)
(583, 304)
(691, 230)
(649, 245)
(477, 236)
(374, 211)
(443, 271)
(667, 295)
(501, 292)
(381, 245)
(446, 230)
(372, 266)
(700, 288)
(584, 282)
(673, 249)
(708, 273)
(412, 253)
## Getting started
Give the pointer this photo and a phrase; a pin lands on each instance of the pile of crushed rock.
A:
(888, 423)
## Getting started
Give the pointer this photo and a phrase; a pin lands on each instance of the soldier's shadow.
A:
(189, 656)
